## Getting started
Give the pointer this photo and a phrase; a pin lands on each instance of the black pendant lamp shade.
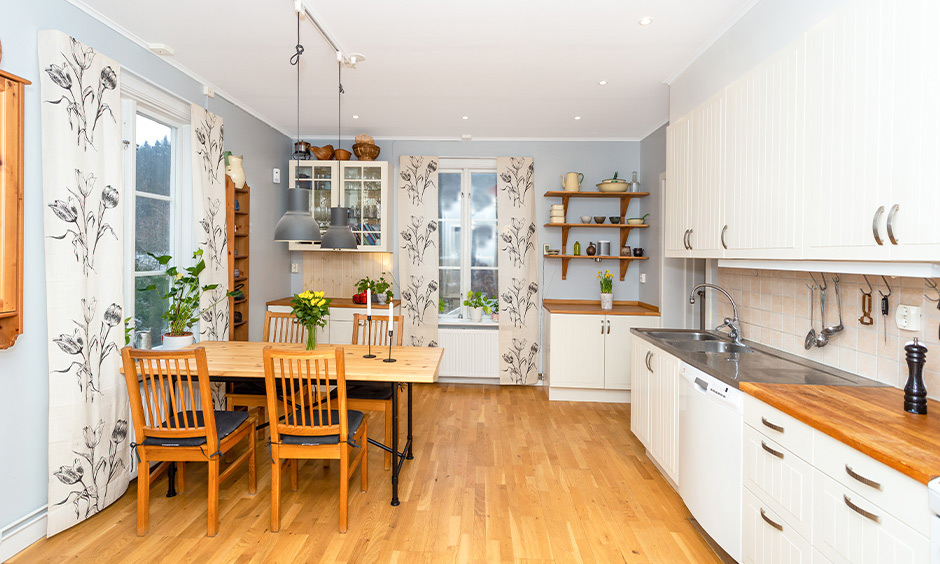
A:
(339, 235)
(297, 224)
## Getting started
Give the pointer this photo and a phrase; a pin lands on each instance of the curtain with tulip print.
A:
(419, 255)
(518, 271)
(82, 181)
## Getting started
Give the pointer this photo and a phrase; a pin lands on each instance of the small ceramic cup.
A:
(638, 252)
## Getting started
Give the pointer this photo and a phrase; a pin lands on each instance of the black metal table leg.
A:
(395, 465)
(410, 455)
(171, 478)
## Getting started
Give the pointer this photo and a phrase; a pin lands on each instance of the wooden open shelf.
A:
(238, 238)
(624, 198)
(624, 262)
(624, 231)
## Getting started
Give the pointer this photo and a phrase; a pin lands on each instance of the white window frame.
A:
(465, 167)
(141, 97)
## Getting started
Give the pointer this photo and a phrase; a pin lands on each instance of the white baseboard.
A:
(583, 394)
(22, 533)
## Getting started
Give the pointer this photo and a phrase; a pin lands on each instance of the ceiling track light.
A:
(350, 60)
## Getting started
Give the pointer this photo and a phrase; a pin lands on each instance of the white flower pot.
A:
(380, 298)
(236, 171)
(607, 301)
(476, 314)
(176, 342)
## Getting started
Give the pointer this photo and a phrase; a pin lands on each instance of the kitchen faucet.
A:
(733, 324)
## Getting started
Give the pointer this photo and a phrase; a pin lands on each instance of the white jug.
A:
(571, 182)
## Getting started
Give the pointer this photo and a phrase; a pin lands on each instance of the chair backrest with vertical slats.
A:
(161, 386)
(299, 384)
(379, 331)
(283, 328)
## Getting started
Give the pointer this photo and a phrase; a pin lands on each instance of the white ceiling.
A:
(518, 69)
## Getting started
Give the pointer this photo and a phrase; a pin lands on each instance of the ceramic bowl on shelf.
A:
(613, 185)
(599, 219)
(635, 221)
(586, 219)
(615, 219)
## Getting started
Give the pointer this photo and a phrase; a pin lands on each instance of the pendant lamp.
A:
(339, 235)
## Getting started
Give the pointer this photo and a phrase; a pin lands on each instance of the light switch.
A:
(642, 278)
(295, 268)
(276, 177)
(908, 317)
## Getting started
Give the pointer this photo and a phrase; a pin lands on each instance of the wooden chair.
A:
(315, 425)
(169, 428)
(278, 328)
(375, 396)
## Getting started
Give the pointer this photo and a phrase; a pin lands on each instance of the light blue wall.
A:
(24, 368)
(652, 164)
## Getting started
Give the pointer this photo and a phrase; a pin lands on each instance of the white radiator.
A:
(469, 353)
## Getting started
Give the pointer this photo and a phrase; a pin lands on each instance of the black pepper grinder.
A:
(915, 394)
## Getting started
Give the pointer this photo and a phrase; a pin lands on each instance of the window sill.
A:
(466, 323)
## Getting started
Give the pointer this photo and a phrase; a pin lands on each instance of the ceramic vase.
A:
(607, 301)
(311, 337)
(380, 298)
(476, 314)
(176, 342)
(236, 171)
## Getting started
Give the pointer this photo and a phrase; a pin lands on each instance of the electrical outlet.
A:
(642, 278)
(276, 176)
(295, 268)
(907, 317)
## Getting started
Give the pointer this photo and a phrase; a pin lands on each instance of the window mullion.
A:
(466, 233)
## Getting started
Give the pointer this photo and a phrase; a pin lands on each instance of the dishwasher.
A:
(710, 456)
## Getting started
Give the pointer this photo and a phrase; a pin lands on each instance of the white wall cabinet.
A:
(706, 216)
(589, 356)
(677, 220)
(654, 405)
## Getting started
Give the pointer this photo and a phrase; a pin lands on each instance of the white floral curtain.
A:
(418, 256)
(518, 271)
(82, 178)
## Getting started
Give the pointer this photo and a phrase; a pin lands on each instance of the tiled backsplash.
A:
(774, 310)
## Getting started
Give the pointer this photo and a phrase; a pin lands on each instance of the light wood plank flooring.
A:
(500, 475)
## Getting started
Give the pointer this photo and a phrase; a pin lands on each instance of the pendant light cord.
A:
(295, 60)
(339, 104)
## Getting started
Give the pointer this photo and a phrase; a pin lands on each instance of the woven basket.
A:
(366, 151)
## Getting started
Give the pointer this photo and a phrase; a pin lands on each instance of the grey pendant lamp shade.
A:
(297, 224)
(339, 235)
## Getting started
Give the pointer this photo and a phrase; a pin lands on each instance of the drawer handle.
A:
(766, 423)
(860, 511)
(862, 479)
(770, 521)
(776, 453)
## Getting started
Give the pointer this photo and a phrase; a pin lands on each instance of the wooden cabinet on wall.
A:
(239, 224)
(11, 207)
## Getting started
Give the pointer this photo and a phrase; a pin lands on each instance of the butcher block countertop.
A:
(591, 307)
(870, 420)
(337, 302)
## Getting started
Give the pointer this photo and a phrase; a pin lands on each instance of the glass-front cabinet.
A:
(361, 186)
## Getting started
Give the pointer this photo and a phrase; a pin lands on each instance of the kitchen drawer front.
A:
(903, 497)
(782, 481)
(766, 537)
(850, 529)
(793, 435)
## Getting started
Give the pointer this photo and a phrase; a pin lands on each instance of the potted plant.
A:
(494, 304)
(476, 301)
(183, 295)
(381, 288)
(311, 309)
(607, 289)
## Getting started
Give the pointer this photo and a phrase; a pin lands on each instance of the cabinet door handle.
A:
(685, 239)
(690, 240)
(891, 215)
(770, 521)
(860, 511)
(602, 326)
(649, 361)
(723, 231)
(867, 481)
(776, 453)
(874, 225)
(608, 327)
(770, 425)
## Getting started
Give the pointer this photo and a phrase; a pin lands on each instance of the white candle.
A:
(369, 302)
(390, 316)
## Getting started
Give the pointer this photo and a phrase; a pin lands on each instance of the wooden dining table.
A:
(242, 361)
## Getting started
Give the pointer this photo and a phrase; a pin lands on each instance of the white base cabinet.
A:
(654, 405)
(339, 324)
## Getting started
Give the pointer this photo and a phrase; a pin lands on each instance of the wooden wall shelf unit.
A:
(238, 222)
(624, 229)
(11, 207)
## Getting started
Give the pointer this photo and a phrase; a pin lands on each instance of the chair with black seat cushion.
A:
(375, 396)
(316, 425)
(169, 427)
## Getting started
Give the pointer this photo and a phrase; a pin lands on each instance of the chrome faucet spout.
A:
(733, 325)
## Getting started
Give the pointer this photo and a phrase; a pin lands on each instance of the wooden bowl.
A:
(323, 153)
(341, 155)
(366, 151)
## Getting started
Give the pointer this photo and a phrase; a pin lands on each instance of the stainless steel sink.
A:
(683, 335)
(715, 346)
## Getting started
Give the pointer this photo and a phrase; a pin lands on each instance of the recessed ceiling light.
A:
(466, 117)
(602, 82)
(577, 117)
(646, 21)
(355, 117)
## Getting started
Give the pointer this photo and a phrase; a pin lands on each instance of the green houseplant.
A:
(478, 302)
(381, 288)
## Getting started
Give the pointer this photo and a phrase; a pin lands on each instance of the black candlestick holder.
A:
(389, 359)
(915, 393)
(369, 338)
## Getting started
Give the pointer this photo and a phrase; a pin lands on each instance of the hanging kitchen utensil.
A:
(866, 318)
(822, 339)
(884, 305)
(829, 331)
(810, 340)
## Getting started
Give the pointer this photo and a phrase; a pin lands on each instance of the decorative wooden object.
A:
(624, 229)
(11, 207)
(238, 226)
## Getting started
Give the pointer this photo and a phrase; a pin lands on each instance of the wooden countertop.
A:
(591, 307)
(870, 420)
(337, 302)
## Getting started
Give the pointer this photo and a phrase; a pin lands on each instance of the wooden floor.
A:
(500, 475)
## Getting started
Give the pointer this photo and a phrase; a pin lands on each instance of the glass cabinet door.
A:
(320, 178)
(362, 194)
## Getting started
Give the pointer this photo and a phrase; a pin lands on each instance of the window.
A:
(468, 230)
(157, 128)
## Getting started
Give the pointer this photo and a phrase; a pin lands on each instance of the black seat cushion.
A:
(225, 424)
(352, 416)
(369, 390)
(251, 388)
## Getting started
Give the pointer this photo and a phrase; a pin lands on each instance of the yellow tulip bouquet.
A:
(607, 281)
(311, 309)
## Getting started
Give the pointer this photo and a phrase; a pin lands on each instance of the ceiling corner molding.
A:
(81, 5)
(664, 121)
(441, 138)
(744, 9)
